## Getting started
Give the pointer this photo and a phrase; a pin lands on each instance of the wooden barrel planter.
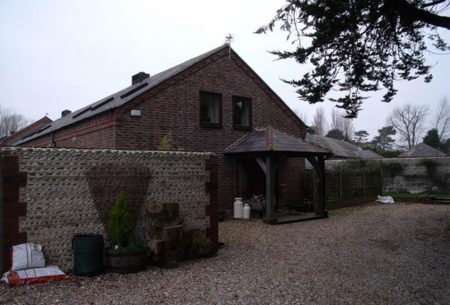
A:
(127, 260)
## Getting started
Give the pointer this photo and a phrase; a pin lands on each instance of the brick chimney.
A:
(65, 112)
(137, 78)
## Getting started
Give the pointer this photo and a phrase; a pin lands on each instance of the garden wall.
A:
(412, 175)
(49, 195)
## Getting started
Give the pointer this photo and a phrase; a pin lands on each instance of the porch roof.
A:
(269, 139)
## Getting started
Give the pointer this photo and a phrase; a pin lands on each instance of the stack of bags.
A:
(28, 267)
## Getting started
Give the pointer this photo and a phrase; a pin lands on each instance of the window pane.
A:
(238, 113)
(245, 114)
(210, 104)
(213, 111)
(242, 108)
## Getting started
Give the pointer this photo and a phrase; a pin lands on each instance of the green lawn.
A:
(410, 195)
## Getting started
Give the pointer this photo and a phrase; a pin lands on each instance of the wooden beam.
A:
(313, 162)
(261, 164)
(270, 187)
(319, 166)
(321, 172)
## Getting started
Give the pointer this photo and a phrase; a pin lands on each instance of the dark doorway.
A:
(252, 180)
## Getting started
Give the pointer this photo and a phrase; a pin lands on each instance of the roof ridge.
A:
(288, 134)
(240, 140)
(314, 143)
(122, 96)
(262, 140)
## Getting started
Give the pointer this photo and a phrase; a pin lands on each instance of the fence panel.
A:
(344, 185)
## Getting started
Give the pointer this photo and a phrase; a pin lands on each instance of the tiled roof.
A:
(342, 149)
(119, 98)
(27, 131)
(368, 154)
(422, 150)
(270, 139)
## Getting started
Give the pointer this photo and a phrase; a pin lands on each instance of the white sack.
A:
(385, 199)
(25, 256)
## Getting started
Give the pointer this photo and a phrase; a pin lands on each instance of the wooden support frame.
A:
(270, 186)
(269, 147)
(262, 164)
(269, 162)
(319, 166)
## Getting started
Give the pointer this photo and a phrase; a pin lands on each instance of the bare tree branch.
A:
(409, 121)
(10, 121)
(442, 119)
(320, 122)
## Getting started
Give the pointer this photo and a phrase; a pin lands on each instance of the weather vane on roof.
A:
(228, 40)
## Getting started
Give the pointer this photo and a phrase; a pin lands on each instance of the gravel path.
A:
(377, 254)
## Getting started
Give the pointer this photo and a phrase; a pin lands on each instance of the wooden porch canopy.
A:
(269, 146)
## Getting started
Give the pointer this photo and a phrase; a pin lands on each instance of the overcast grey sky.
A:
(58, 55)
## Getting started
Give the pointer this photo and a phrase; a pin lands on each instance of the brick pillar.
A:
(212, 210)
(11, 209)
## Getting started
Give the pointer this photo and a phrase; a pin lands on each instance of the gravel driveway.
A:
(376, 254)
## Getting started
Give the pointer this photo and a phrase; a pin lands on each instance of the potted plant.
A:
(126, 254)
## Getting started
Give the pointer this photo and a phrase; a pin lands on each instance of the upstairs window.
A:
(242, 113)
(210, 109)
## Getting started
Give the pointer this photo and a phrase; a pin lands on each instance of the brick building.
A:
(204, 104)
(24, 132)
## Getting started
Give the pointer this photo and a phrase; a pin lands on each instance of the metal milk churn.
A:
(246, 211)
(238, 207)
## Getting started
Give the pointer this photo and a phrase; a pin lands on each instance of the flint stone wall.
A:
(59, 203)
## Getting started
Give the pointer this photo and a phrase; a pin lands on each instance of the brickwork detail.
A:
(172, 108)
(13, 208)
(59, 203)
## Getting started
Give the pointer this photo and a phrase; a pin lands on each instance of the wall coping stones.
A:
(113, 151)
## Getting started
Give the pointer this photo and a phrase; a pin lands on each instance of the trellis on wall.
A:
(106, 181)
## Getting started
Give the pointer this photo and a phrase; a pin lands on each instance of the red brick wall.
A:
(97, 132)
(24, 131)
(11, 180)
(173, 108)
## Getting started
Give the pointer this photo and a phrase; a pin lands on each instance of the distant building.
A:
(422, 150)
(25, 132)
(342, 149)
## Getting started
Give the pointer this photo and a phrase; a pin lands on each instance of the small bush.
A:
(121, 224)
(166, 142)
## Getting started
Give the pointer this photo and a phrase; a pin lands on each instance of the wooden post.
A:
(364, 183)
(381, 181)
(316, 174)
(340, 186)
(241, 178)
(270, 190)
(321, 171)
(315, 189)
